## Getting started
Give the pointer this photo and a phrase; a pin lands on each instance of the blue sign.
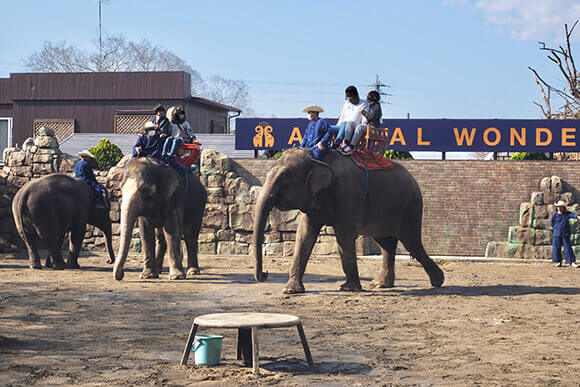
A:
(441, 135)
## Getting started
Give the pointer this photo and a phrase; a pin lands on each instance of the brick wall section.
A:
(467, 203)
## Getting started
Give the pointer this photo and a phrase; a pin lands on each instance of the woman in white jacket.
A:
(181, 131)
(350, 116)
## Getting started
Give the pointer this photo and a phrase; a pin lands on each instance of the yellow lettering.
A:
(468, 138)
(486, 136)
(520, 136)
(295, 136)
(539, 141)
(398, 136)
(420, 138)
(568, 139)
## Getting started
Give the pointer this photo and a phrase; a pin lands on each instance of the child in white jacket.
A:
(350, 116)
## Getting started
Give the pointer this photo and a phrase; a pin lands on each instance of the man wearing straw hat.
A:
(84, 172)
(561, 235)
(318, 134)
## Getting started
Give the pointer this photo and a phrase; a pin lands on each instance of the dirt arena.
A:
(489, 324)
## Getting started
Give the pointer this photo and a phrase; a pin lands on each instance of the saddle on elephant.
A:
(367, 153)
(187, 153)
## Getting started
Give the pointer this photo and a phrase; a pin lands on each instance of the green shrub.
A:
(396, 155)
(529, 156)
(106, 154)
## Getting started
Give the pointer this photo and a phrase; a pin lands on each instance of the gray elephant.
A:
(387, 207)
(49, 207)
(169, 206)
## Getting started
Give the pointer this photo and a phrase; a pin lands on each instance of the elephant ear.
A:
(168, 182)
(319, 178)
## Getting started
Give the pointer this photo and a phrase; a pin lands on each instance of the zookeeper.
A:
(318, 134)
(561, 235)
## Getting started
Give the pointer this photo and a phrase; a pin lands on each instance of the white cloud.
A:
(526, 19)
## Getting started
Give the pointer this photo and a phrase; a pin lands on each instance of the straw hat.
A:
(86, 153)
(313, 108)
(561, 203)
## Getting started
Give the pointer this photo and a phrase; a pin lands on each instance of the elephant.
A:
(49, 207)
(168, 206)
(386, 205)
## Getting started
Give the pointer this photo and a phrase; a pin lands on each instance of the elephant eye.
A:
(146, 190)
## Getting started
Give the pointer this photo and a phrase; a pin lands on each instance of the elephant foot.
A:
(177, 276)
(148, 274)
(381, 283)
(351, 286)
(72, 265)
(293, 287)
(437, 277)
(193, 271)
(36, 265)
(46, 264)
(59, 266)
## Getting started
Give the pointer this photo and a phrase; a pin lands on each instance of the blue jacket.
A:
(561, 224)
(150, 146)
(84, 172)
(317, 131)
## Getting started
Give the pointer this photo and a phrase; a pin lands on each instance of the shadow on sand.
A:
(300, 367)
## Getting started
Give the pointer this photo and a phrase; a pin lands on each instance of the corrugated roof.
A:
(224, 143)
(218, 105)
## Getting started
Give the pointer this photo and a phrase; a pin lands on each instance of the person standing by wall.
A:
(561, 235)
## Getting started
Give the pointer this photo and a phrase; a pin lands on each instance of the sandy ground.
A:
(489, 324)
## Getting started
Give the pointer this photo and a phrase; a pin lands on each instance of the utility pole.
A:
(377, 85)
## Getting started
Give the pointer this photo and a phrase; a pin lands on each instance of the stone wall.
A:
(532, 237)
(466, 203)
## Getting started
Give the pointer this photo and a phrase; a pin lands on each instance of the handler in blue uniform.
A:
(149, 143)
(84, 172)
(561, 235)
(318, 134)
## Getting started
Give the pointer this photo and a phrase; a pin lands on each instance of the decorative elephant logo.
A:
(263, 136)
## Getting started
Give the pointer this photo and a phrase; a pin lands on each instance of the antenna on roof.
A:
(377, 85)
(100, 35)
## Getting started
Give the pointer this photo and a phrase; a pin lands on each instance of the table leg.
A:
(305, 345)
(190, 339)
(255, 356)
(245, 346)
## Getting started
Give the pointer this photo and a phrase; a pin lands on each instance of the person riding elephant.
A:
(167, 205)
(161, 122)
(84, 172)
(181, 131)
(148, 143)
(47, 208)
(386, 205)
(318, 134)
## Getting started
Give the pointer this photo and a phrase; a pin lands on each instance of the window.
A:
(5, 133)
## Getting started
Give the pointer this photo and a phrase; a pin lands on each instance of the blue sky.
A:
(442, 58)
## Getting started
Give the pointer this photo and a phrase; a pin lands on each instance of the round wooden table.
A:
(247, 325)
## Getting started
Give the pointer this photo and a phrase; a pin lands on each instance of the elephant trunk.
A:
(128, 218)
(263, 207)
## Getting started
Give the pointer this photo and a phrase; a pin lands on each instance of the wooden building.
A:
(112, 102)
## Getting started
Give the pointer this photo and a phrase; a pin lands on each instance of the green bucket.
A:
(208, 349)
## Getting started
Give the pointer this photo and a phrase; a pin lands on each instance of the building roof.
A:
(215, 104)
(224, 143)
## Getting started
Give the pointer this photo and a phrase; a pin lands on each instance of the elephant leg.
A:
(346, 239)
(147, 233)
(54, 245)
(173, 237)
(75, 243)
(386, 278)
(34, 259)
(160, 249)
(306, 236)
(191, 244)
(416, 249)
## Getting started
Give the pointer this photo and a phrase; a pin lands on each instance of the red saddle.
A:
(370, 160)
(187, 153)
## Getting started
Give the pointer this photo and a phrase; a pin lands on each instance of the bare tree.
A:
(116, 53)
(569, 94)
